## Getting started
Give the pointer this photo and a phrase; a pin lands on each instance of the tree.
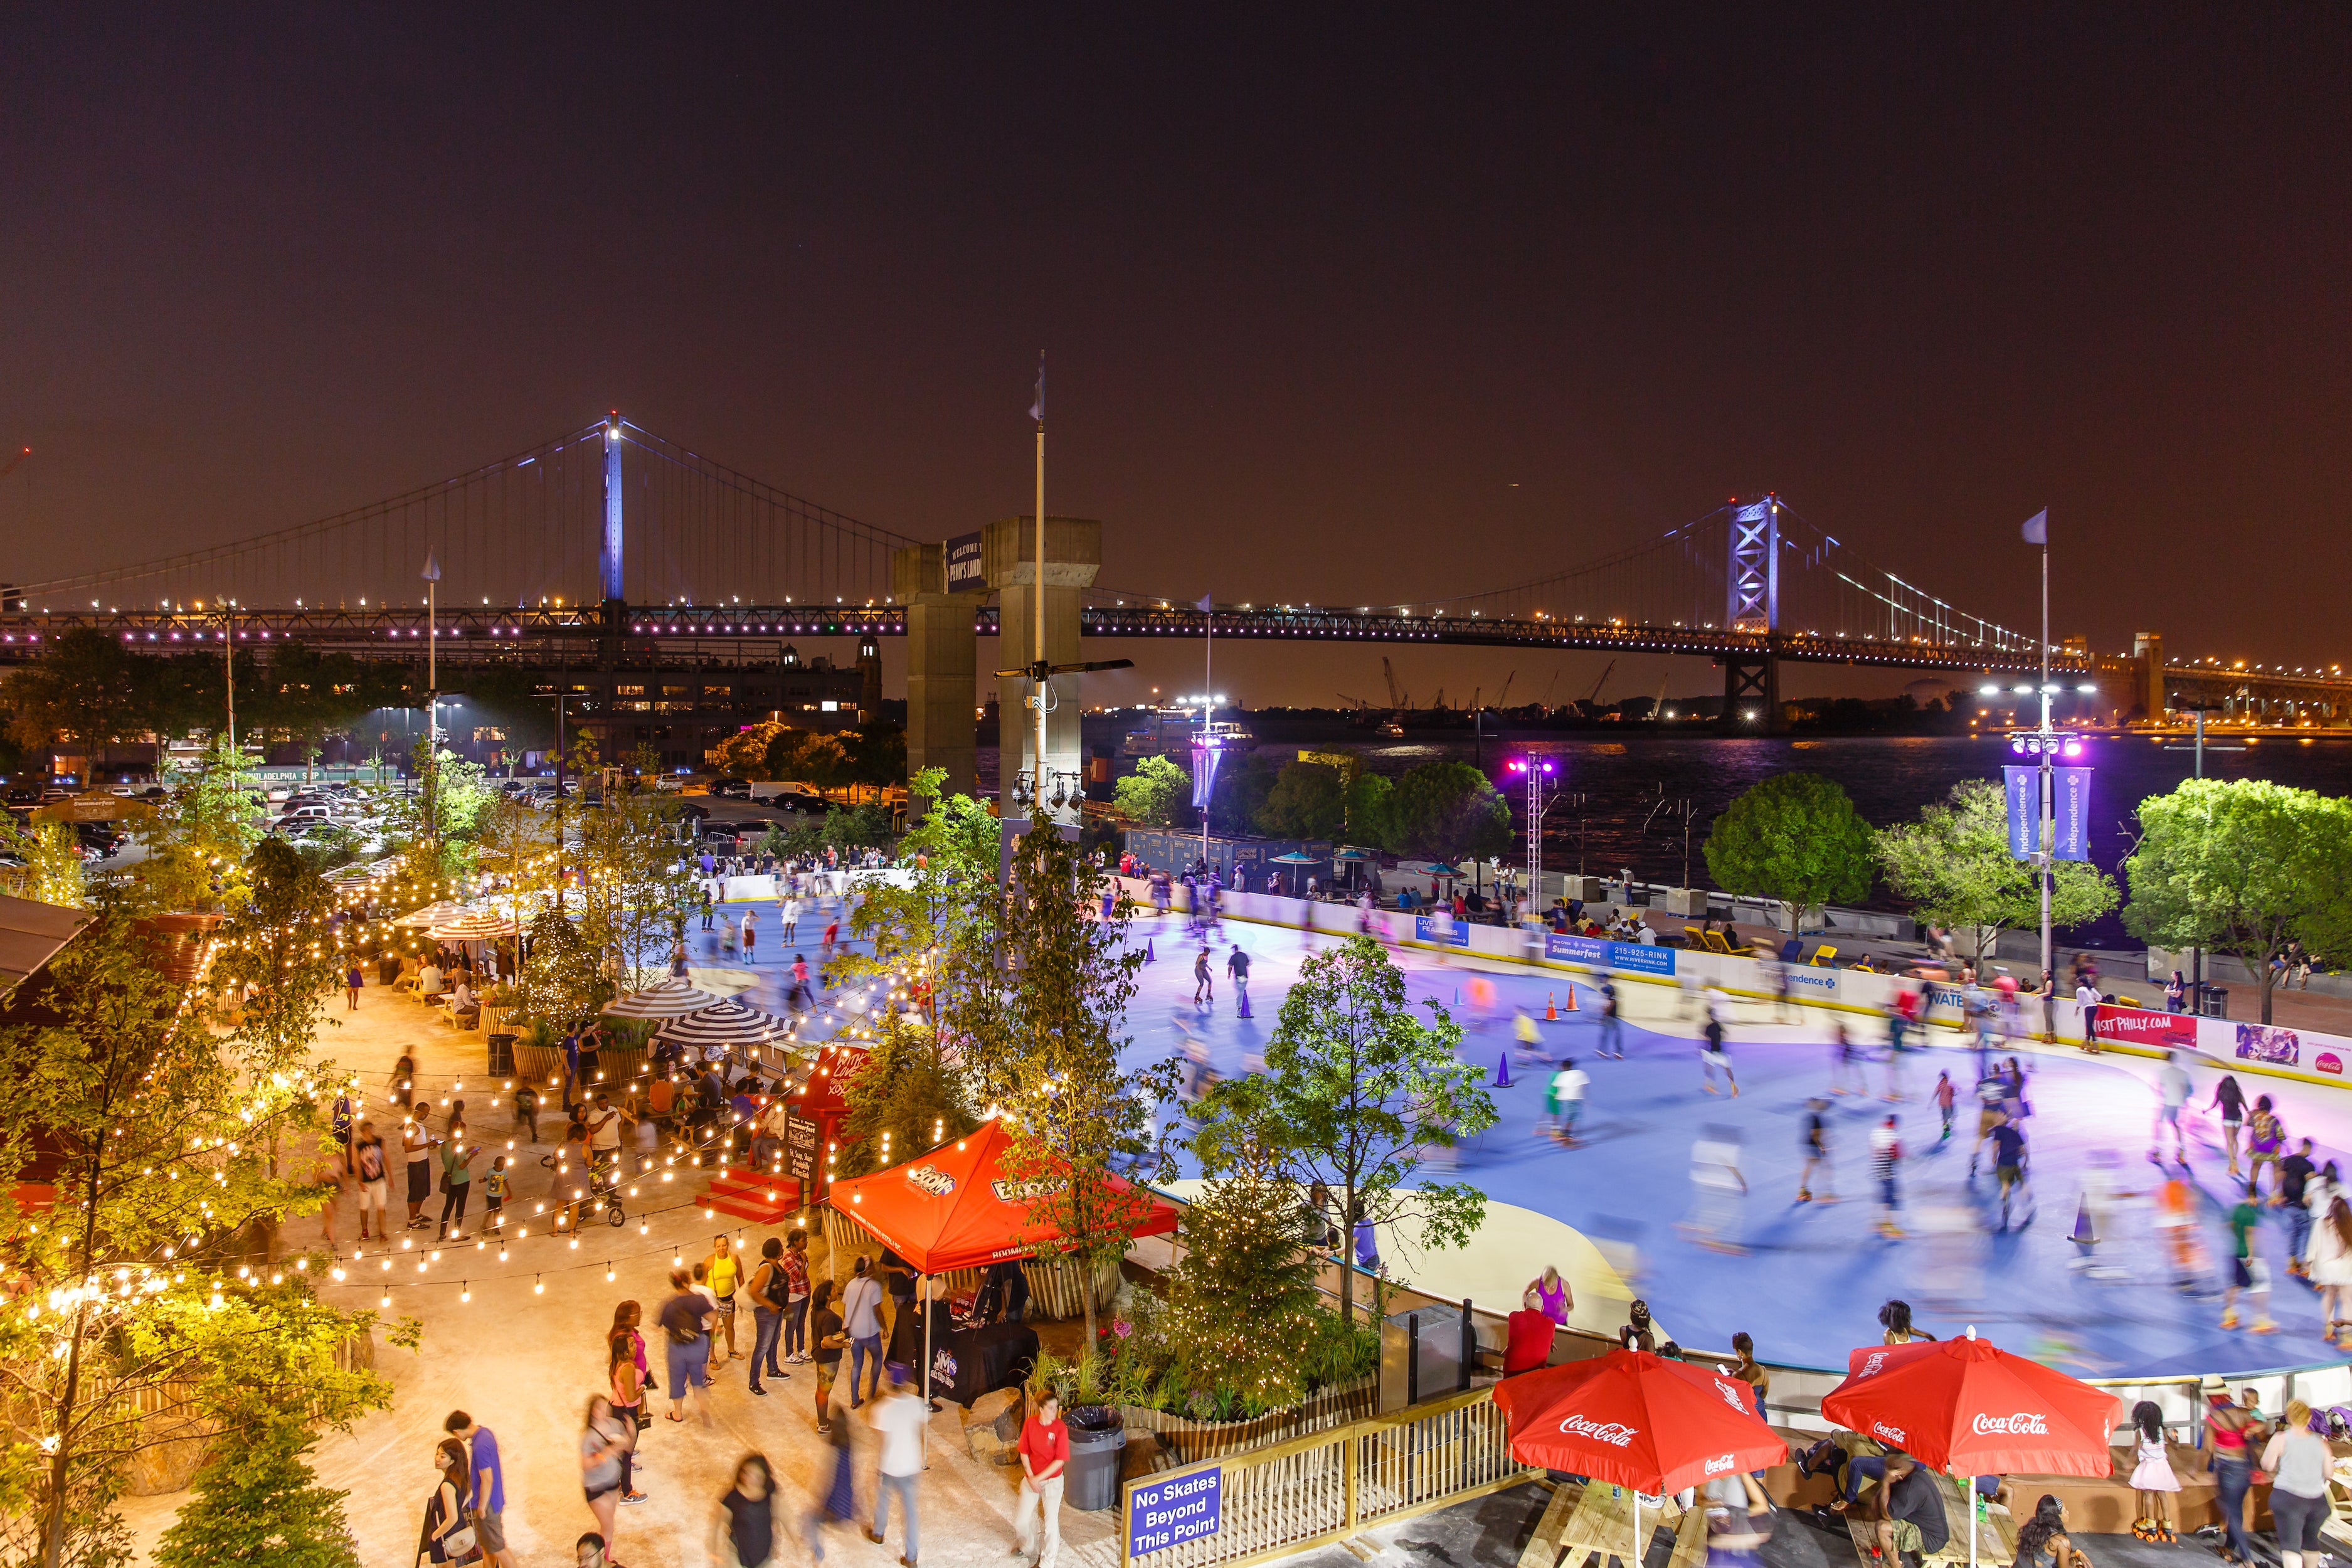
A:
(445, 813)
(1796, 838)
(1955, 868)
(874, 754)
(52, 870)
(1449, 811)
(87, 688)
(939, 934)
(909, 1089)
(636, 882)
(1371, 817)
(1243, 784)
(197, 841)
(1151, 794)
(257, 1500)
(275, 958)
(128, 1310)
(2244, 866)
(1048, 1054)
(1357, 1089)
(1309, 801)
(560, 982)
(745, 753)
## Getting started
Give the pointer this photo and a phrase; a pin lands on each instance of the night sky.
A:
(1348, 304)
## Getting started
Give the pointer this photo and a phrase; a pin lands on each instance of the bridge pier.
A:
(1009, 556)
(1751, 694)
(942, 667)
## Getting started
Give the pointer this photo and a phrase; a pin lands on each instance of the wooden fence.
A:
(1189, 1440)
(1323, 1487)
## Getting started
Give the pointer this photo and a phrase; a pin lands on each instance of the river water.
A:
(1889, 777)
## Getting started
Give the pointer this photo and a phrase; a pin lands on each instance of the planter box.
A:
(1184, 1440)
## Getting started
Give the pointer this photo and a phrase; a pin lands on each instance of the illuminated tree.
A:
(1955, 868)
(1152, 794)
(1795, 839)
(52, 870)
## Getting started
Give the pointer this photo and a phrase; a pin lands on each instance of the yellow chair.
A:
(1824, 957)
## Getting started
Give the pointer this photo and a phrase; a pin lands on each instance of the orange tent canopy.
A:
(953, 1208)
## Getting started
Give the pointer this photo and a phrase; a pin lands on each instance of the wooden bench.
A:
(1690, 1540)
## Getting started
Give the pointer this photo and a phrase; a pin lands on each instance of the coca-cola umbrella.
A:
(1636, 1420)
(1969, 1407)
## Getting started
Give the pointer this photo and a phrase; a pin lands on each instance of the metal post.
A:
(2048, 835)
(432, 574)
(1044, 683)
(228, 664)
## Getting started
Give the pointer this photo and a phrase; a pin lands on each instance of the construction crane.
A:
(1397, 695)
(1602, 682)
(1503, 695)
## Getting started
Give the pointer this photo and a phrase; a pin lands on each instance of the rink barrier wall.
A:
(2305, 1055)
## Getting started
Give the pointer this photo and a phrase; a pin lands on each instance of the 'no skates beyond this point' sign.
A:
(1170, 1512)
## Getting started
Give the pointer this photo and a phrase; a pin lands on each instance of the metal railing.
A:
(1323, 1487)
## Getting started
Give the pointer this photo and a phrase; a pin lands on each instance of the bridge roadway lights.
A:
(1751, 686)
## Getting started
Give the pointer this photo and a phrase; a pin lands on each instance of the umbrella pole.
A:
(1638, 1552)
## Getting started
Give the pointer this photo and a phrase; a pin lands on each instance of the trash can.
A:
(501, 1055)
(2213, 1001)
(1097, 1437)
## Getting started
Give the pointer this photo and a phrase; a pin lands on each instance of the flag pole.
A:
(1037, 782)
(1208, 705)
(2049, 837)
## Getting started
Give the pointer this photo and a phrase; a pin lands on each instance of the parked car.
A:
(731, 789)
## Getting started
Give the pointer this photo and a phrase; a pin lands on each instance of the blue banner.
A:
(1592, 950)
(1205, 758)
(2070, 790)
(1443, 928)
(1160, 1514)
(2023, 786)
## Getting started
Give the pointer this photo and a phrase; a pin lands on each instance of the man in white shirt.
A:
(1568, 1089)
(428, 979)
(900, 1419)
(861, 1319)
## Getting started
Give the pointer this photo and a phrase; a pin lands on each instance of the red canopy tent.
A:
(953, 1208)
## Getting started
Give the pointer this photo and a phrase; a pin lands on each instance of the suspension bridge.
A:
(612, 550)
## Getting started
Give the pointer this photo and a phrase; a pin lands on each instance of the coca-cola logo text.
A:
(1895, 1435)
(1734, 1394)
(1719, 1465)
(2024, 1424)
(1613, 1433)
(1870, 1368)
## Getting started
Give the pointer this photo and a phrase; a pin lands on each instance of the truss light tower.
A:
(1539, 771)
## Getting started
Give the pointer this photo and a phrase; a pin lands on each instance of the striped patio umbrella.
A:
(474, 925)
(433, 915)
(672, 998)
(734, 1025)
(351, 877)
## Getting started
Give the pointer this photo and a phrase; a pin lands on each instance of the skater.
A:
(1845, 1061)
(2247, 1272)
(1717, 1184)
(1567, 1091)
(1204, 982)
(2008, 1163)
(1815, 1144)
(2172, 1096)
(2155, 1488)
(2231, 1101)
(1945, 1095)
(1718, 1010)
(2330, 1265)
(1528, 1046)
(1612, 1042)
(1991, 1096)
(1237, 967)
(1886, 1161)
(2265, 1140)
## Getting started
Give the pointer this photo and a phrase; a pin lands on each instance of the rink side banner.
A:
(1594, 950)
(2141, 1026)
(1443, 928)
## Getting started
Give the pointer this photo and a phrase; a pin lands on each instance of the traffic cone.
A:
(1148, 955)
(2084, 1235)
(1457, 996)
(1243, 1010)
(1502, 1072)
(1571, 998)
(1551, 1005)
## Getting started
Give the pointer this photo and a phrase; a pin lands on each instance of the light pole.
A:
(1537, 769)
(432, 575)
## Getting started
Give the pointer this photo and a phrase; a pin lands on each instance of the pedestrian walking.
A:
(416, 1145)
(828, 1341)
(447, 1536)
(1612, 1042)
(1045, 1452)
(900, 1418)
(1567, 1092)
(1886, 1163)
(837, 1490)
(722, 1273)
(628, 1398)
(766, 1287)
(2299, 1460)
(485, 1495)
(744, 1531)
(354, 978)
(375, 1188)
(456, 1182)
(686, 1324)
(861, 1316)
(604, 1456)
(1814, 1142)
(796, 1296)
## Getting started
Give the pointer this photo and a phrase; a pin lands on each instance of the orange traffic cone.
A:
(1571, 998)
(1551, 1006)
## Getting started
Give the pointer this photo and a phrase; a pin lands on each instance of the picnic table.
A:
(1996, 1531)
(1602, 1527)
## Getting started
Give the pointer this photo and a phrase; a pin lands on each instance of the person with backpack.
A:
(686, 1321)
(767, 1287)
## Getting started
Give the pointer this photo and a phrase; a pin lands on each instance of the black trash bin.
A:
(502, 1054)
(1097, 1438)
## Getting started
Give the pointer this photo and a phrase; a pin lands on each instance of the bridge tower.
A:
(942, 665)
(1751, 680)
(614, 590)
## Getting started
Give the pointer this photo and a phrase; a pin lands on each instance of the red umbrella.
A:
(1636, 1420)
(1969, 1407)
